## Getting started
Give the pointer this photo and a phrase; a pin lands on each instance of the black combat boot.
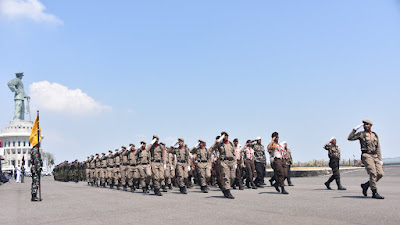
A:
(229, 195)
(34, 198)
(118, 186)
(157, 192)
(144, 190)
(170, 186)
(339, 185)
(111, 186)
(284, 191)
(183, 190)
(204, 189)
(241, 187)
(164, 189)
(365, 188)
(277, 187)
(133, 188)
(254, 187)
(376, 195)
(147, 189)
(328, 185)
(125, 188)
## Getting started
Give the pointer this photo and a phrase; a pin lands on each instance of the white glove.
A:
(176, 145)
(358, 127)
(165, 166)
(382, 163)
(172, 168)
(189, 168)
(154, 141)
(235, 166)
(221, 138)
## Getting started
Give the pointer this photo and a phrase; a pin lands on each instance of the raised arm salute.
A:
(370, 155)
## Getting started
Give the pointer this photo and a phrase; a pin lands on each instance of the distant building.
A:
(16, 145)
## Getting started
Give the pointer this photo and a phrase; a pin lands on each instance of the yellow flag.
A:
(36, 131)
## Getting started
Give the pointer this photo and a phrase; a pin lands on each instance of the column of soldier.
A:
(159, 167)
(225, 164)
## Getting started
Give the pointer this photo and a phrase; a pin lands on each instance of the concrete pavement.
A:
(308, 203)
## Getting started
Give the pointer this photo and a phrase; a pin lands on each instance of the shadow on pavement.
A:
(220, 196)
(270, 192)
(358, 196)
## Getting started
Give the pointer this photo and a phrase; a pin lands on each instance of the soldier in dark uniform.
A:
(334, 159)
(371, 156)
(36, 169)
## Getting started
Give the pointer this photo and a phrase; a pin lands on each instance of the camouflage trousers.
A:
(35, 183)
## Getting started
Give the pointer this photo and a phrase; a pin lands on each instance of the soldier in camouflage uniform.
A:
(334, 158)
(103, 170)
(87, 170)
(259, 160)
(110, 169)
(117, 172)
(36, 169)
(97, 171)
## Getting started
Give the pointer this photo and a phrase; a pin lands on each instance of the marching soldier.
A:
(92, 164)
(228, 162)
(371, 156)
(117, 172)
(289, 162)
(103, 170)
(182, 165)
(158, 165)
(279, 162)
(144, 168)
(334, 159)
(110, 169)
(97, 163)
(249, 162)
(36, 169)
(260, 160)
(87, 165)
(203, 165)
(239, 169)
(124, 167)
(133, 173)
(169, 172)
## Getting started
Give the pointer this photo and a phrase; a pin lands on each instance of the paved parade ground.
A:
(308, 203)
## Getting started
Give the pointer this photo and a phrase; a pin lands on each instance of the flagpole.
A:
(40, 174)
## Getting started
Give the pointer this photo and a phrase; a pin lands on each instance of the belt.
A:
(110, 166)
(104, 167)
(366, 151)
(144, 163)
(203, 161)
(229, 158)
(277, 158)
(133, 164)
(126, 164)
(182, 161)
(157, 161)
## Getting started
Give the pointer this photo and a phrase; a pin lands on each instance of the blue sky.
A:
(123, 71)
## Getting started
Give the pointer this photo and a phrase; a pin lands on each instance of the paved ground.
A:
(308, 203)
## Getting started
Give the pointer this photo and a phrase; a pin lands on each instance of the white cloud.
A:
(30, 9)
(58, 98)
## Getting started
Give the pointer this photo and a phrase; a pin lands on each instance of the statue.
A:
(17, 86)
